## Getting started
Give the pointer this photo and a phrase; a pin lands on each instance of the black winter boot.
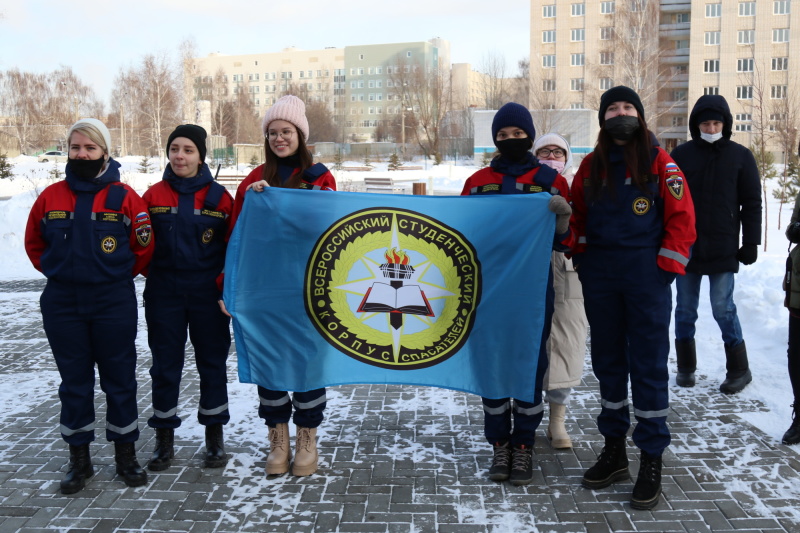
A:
(648, 482)
(215, 447)
(80, 469)
(521, 465)
(611, 466)
(127, 466)
(164, 451)
(738, 371)
(792, 435)
(687, 362)
(501, 462)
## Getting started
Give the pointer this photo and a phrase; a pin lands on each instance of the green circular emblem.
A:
(393, 288)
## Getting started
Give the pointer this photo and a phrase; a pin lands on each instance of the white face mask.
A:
(711, 137)
(558, 166)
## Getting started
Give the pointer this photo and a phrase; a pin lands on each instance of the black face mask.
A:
(514, 149)
(86, 169)
(621, 127)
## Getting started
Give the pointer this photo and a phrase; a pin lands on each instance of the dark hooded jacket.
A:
(726, 189)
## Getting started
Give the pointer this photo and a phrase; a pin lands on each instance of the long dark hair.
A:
(637, 159)
(270, 173)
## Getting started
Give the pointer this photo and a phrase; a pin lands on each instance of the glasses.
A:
(544, 152)
(286, 135)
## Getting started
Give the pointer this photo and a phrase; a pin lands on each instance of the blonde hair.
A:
(95, 130)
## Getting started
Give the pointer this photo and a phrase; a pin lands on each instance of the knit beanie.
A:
(194, 133)
(556, 140)
(620, 93)
(289, 108)
(709, 114)
(96, 124)
(513, 114)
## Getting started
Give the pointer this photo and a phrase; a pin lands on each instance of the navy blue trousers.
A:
(498, 413)
(629, 306)
(275, 407)
(168, 315)
(90, 325)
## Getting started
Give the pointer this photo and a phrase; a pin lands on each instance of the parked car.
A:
(53, 155)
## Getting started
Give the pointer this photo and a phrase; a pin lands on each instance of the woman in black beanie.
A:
(191, 212)
(632, 228)
(515, 170)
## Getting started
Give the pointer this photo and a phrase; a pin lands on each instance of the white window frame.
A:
(747, 9)
(549, 61)
(746, 37)
(607, 8)
(778, 92)
(577, 60)
(548, 86)
(745, 64)
(576, 84)
(780, 35)
(577, 35)
(605, 83)
(711, 66)
(606, 58)
(781, 7)
(549, 36)
(744, 92)
(711, 90)
(711, 38)
(549, 11)
(607, 33)
(578, 10)
(780, 63)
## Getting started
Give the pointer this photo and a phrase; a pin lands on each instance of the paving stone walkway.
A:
(393, 459)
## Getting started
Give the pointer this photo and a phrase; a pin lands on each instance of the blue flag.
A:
(328, 288)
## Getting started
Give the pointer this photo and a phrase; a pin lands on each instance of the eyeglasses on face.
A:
(544, 152)
(285, 134)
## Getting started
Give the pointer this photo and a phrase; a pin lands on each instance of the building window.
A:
(576, 84)
(712, 38)
(710, 90)
(576, 35)
(680, 70)
(371, 84)
(548, 12)
(679, 96)
(360, 84)
(713, 10)
(743, 127)
(606, 83)
(606, 8)
(302, 74)
(252, 77)
(745, 65)
(548, 86)
(744, 92)
(578, 10)
(682, 18)
(678, 121)
(711, 65)
(606, 58)
(748, 36)
(549, 36)
(607, 33)
(780, 35)
(778, 117)
(743, 117)
(780, 63)
(778, 91)
(747, 9)
(681, 44)
(549, 61)
(781, 7)
(576, 105)
(577, 60)
(408, 54)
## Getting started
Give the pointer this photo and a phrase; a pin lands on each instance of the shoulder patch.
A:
(675, 186)
(144, 235)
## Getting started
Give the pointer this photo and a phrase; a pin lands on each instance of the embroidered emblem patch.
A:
(108, 244)
(641, 205)
(142, 217)
(675, 186)
(144, 235)
(208, 235)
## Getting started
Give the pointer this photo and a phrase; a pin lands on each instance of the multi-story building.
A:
(671, 52)
(362, 85)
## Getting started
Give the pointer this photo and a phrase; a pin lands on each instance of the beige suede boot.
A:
(305, 456)
(556, 431)
(279, 451)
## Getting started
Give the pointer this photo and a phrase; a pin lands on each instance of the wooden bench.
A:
(382, 185)
(407, 168)
(358, 169)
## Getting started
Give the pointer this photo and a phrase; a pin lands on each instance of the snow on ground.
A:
(758, 296)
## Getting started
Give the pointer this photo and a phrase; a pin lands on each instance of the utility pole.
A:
(122, 127)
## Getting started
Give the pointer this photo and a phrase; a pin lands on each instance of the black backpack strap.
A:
(214, 195)
(115, 197)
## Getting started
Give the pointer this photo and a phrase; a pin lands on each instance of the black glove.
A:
(747, 254)
(666, 276)
(793, 232)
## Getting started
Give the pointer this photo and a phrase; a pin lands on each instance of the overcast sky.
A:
(98, 38)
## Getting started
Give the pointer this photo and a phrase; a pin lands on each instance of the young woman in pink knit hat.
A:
(288, 164)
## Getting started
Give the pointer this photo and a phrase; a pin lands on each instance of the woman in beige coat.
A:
(566, 346)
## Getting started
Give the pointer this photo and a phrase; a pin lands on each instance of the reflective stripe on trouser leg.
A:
(209, 331)
(274, 407)
(309, 407)
(166, 317)
(497, 419)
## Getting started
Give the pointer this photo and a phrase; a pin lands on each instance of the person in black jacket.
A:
(726, 189)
